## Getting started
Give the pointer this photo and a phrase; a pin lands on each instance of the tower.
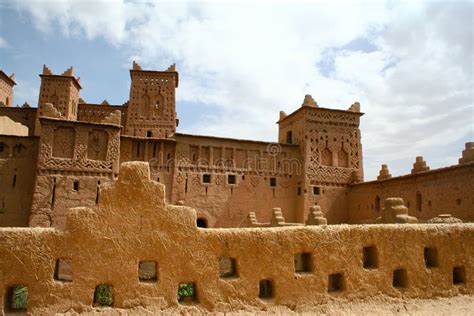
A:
(152, 104)
(61, 91)
(6, 89)
(331, 147)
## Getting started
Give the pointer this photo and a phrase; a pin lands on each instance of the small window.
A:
(459, 275)
(206, 178)
(400, 278)
(201, 222)
(2, 147)
(303, 262)
(75, 186)
(298, 191)
(370, 258)
(63, 270)
(377, 203)
(187, 293)
(458, 201)
(265, 289)
(149, 134)
(431, 257)
(289, 137)
(273, 182)
(17, 299)
(103, 295)
(335, 282)
(231, 179)
(14, 181)
(316, 190)
(147, 271)
(227, 267)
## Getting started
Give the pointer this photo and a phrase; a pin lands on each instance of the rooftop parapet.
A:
(384, 173)
(467, 154)
(419, 165)
(395, 212)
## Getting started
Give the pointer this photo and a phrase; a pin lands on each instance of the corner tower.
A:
(330, 143)
(152, 105)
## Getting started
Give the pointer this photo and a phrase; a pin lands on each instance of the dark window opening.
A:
(419, 202)
(370, 258)
(431, 257)
(265, 289)
(75, 185)
(154, 149)
(138, 149)
(206, 178)
(303, 262)
(63, 270)
(53, 194)
(17, 299)
(458, 201)
(459, 275)
(103, 295)
(400, 278)
(149, 134)
(231, 179)
(289, 137)
(429, 203)
(14, 181)
(2, 147)
(335, 282)
(273, 182)
(147, 271)
(316, 190)
(187, 293)
(227, 267)
(97, 193)
(201, 222)
(298, 191)
(408, 204)
(186, 186)
(377, 203)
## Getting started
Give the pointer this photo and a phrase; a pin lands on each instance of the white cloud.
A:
(3, 43)
(249, 60)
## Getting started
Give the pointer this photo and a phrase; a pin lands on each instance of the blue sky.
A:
(409, 64)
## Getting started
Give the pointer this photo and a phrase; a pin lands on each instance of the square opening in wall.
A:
(303, 262)
(147, 271)
(16, 300)
(227, 267)
(187, 293)
(400, 278)
(431, 257)
(316, 190)
(370, 258)
(63, 270)
(335, 282)
(273, 182)
(103, 295)
(265, 289)
(459, 275)
(75, 185)
(231, 179)
(206, 178)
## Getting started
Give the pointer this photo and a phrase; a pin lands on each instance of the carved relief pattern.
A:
(329, 174)
(63, 142)
(97, 145)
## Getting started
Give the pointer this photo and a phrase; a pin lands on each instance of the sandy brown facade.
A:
(74, 147)
(291, 266)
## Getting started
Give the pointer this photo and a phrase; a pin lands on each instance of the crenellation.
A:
(467, 154)
(419, 165)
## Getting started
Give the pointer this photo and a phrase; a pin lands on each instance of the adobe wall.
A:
(17, 173)
(262, 176)
(25, 116)
(132, 223)
(74, 158)
(426, 194)
(96, 113)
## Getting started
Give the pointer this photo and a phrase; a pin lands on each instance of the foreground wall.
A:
(132, 223)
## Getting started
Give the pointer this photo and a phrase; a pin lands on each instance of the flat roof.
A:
(319, 108)
(62, 76)
(157, 72)
(233, 139)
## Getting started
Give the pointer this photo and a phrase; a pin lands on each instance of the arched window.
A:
(326, 157)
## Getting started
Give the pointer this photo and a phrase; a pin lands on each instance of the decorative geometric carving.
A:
(326, 157)
(342, 159)
(97, 145)
(63, 144)
(113, 118)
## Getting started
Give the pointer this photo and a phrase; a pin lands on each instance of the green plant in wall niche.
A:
(185, 290)
(19, 297)
(103, 295)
